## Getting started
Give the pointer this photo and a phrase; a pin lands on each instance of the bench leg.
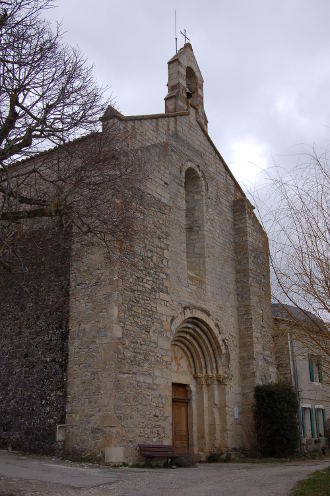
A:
(170, 461)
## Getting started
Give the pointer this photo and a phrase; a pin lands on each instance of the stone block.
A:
(60, 432)
(114, 454)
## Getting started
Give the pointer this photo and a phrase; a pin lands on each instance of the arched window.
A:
(195, 245)
(191, 85)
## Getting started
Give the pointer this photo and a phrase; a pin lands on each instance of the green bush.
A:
(214, 458)
(276, 414)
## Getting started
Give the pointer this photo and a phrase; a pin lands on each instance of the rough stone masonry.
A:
(96, 376)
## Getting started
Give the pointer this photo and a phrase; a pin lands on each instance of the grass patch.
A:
(314, 455)
(317, 484)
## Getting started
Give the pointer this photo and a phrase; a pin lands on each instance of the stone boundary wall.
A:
(33, 339)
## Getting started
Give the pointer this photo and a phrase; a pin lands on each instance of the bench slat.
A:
(155, 446)
(155, 453)
(156, 450)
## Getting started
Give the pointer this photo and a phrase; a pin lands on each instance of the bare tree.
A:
(296, 217)
(48, 93)
(49, 97)
(90, 184)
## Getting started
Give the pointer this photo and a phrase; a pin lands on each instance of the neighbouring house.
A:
(302, 355)
(166, 349)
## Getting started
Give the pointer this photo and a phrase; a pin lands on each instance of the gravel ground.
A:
(43, 476)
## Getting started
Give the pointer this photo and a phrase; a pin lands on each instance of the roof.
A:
(293, 313)
(176, 56)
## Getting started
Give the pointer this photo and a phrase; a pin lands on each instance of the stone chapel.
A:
(169, 356)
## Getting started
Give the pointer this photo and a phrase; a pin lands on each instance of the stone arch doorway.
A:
(198, 367)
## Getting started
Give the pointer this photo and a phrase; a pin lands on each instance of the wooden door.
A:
(180, 418)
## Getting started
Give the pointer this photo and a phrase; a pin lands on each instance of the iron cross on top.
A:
(184, 34)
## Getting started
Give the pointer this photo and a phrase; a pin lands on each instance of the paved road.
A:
(42, 476)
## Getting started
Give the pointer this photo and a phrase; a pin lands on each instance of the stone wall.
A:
(282, 351)
(114, 397)
(125, 312)
(33, 338)
(124, 316)
(256, 347)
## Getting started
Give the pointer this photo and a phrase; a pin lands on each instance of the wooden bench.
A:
(150, 451)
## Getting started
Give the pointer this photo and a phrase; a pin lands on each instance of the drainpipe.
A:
(295, 383)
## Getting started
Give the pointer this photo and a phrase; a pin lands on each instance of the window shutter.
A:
(319, 364)
(324, 423)
(303, 422)
(311, 416)
(311, 368)
(317, 422)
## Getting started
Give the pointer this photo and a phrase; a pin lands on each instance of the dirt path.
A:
(42, 476)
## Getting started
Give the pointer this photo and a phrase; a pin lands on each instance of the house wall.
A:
(315, 392)
(311, 394)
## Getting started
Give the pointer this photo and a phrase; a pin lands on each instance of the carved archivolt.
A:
(206, 354)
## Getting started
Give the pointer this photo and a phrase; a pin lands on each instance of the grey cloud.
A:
(265, 63)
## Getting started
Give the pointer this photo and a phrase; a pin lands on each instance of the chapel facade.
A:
(180, 364)
(169, 353)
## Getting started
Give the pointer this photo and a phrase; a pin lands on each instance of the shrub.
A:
(214, 458)
(276, 414)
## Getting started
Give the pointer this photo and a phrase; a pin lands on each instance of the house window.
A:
(307, 422)
(315, 368)
(320, 421)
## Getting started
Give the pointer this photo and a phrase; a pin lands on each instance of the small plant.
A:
(214, 458)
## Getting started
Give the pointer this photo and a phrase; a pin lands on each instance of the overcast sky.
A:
(265, 65)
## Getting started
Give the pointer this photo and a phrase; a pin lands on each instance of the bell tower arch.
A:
(185, 84)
